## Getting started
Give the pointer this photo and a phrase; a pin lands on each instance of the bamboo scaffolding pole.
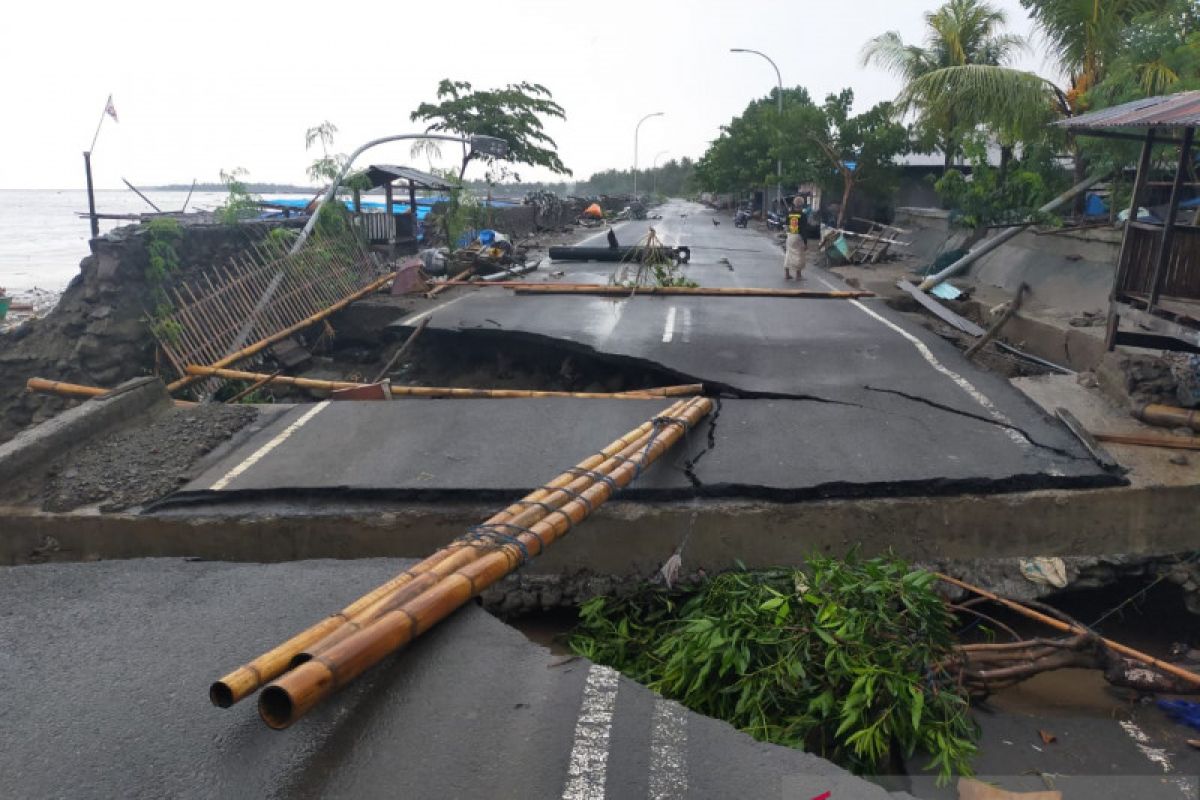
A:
(246, 679)
(64, 389)
(681, 390)
(1173, 442)
(296, 692)
(402, 349)
(1168, 416)
(455, 281)
(690, 291)
(1066, 627)
(457, 555)
(263, 344)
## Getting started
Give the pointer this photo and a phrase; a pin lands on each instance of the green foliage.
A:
(162, 237)
(513, 113)
(282, 237)
(1160, 55)
(240, 204)
(842, 661)
(1002, 196)
(958, 34)
(328, 166)
(675, 178)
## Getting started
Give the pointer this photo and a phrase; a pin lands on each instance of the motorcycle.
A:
(774, 221)
(741, 219)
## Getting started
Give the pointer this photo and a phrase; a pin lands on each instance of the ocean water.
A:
(42, 238)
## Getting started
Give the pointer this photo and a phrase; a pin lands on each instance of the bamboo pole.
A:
(1013, 307)
(263, 344)
(457, 555)
(1168, 416)
(402, 349)
(690, 291)
(258, 384)
(1057, 624)
(246, 679)
(65, 389)
(296, 692)
(441, 287)
(1173, 442)
(197, 370)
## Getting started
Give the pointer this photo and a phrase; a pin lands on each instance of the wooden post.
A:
(391, 219)
(1139, 185)
(1168, 234)
(87, 169)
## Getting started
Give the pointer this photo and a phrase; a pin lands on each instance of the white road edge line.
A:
(587, 771)
(668, 751)
(669, 325)
(258, 454)
(422, 315)
(962, 383)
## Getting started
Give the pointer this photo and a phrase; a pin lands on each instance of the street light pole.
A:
(654, 169)
(779, 98)
(637, 128)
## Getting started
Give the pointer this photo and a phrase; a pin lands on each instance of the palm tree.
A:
(960, 34)
(1087, 35)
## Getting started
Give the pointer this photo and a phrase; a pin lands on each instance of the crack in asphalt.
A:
(980, 417)
(689, 464)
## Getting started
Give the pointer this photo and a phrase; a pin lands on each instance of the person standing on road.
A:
(796, 255)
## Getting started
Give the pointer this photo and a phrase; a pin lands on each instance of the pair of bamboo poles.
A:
(325, 657)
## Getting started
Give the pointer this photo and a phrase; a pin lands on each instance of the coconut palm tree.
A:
(959, 34)
(1086, 35)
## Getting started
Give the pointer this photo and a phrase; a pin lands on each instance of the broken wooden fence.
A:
(206, 314)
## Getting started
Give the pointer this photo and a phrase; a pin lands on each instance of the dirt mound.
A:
(144, 462)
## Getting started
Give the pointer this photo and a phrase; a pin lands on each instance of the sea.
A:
(43, 238)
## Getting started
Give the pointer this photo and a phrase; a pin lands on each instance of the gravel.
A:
(143, 463)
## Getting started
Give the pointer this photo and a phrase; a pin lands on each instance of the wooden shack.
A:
(1155, 300)
(398, 230)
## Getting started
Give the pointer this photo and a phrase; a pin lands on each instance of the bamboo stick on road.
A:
(690, 291)
(296, 692)
(65, 389)
(448, 391)
(1058, 624)
(246, 679)
(521, 515)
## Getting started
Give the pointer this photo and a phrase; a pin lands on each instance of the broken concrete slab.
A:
(776, 449)
(450, 716)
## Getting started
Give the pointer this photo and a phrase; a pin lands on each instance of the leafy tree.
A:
(240, 203)
(329, 165)
(847, 661)
(1160, 54)
(513, 113)
(1007, 195)
(1087, 36)
(958, 34)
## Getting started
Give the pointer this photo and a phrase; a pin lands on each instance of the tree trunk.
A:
(844, 210)
(1081, 167)
(1006, 153)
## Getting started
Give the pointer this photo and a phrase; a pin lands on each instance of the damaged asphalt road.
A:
(828, 398)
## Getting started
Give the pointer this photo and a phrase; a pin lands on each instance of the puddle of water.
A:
(1071, 691)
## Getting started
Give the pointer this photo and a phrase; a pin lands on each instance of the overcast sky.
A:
(205, 86)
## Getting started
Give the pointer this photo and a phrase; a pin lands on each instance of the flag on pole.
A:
(111, 110)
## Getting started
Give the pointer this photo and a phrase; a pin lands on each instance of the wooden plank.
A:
(940, 311)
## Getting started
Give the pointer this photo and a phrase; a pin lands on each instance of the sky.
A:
(201, 87)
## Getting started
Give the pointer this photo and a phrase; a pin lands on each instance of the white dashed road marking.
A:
(668, 751)
(686, 328)
(258, 454)
(669, 325)
(587, 770)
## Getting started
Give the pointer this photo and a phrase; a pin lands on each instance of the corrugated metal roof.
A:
(380, 174)
(1180, 110)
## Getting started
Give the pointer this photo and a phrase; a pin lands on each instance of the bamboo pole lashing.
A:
(246, 679)
(1065, 627)
(521, 515)
(297, 691)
